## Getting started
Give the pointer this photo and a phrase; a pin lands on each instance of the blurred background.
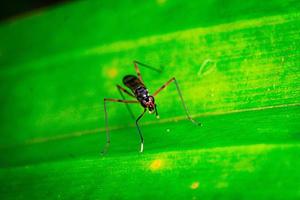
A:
(16, 8)
(237, 64)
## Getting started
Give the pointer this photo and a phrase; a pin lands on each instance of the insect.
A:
(141, 95)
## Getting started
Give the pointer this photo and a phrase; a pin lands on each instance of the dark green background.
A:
(237, 64)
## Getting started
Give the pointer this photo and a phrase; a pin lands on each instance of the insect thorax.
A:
(141, 93)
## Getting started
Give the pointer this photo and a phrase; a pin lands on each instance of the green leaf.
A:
(237, 64)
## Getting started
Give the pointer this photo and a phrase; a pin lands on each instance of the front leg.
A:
(139, 130)
(181, 98)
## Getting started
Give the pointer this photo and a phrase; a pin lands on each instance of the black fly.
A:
(142, 96)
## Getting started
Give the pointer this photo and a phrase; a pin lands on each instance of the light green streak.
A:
(115, 47)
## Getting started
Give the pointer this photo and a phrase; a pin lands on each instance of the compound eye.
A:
(151, 99)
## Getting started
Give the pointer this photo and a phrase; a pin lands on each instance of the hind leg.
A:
(181, 98)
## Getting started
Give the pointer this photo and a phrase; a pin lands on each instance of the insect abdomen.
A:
(132, 82)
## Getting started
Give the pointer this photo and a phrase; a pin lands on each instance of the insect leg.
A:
(181, 98)
(106, 119)
(139, 130)
(127, 106)
(136, 63)
(124, 90)
(147, 66)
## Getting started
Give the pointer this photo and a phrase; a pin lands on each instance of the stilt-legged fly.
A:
(142, 96)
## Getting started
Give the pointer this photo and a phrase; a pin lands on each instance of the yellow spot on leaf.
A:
(112, 72)
(156, 165)
(194, 185)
